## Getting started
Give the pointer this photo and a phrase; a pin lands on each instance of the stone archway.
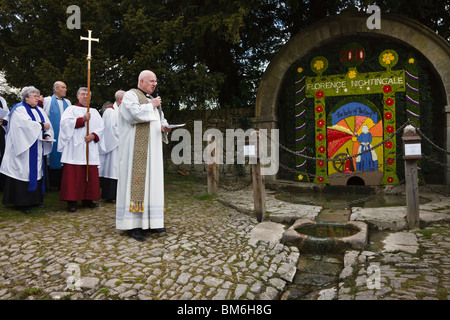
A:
(433, 47)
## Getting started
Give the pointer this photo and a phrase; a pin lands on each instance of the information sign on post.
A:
(412, 153)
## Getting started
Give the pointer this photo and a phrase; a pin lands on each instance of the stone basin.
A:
(326, 237)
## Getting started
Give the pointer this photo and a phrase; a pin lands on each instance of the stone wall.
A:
(220, 119)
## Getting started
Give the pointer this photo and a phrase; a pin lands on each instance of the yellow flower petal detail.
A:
(388, 58)
(318, 65)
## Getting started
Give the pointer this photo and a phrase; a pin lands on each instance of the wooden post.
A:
(412, 194)
(259, 190)
(412, 153)
(212, 168)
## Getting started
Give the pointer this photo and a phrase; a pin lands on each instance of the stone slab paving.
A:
(406, 265)
(411, 265)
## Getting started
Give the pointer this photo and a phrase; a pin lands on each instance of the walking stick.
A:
(89, 58)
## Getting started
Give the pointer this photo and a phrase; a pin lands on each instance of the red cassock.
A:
(75, 186)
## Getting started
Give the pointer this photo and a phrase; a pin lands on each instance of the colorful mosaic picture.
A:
(355, 129)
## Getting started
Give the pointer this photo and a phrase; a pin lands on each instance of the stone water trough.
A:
(313, 237)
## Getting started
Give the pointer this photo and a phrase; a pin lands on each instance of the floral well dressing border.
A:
(387, 82)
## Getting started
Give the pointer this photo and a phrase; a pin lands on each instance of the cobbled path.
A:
(205, 254)
(422, 275)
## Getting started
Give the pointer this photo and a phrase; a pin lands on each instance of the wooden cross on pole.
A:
(89, 58)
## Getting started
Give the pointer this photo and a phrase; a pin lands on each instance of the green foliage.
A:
(194, 47)
(432, 13)
(206, 53)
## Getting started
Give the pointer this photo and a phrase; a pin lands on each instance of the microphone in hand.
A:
(155, 94)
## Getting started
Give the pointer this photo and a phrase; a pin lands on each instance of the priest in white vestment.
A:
(109, 162)
(140, 190)
(23, 163)
(72, 142)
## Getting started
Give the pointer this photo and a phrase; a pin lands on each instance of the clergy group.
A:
(49, 142)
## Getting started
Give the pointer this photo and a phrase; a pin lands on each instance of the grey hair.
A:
(106, 105)
(82, 89)
(56, 85)
(119, 94)
(26, 91)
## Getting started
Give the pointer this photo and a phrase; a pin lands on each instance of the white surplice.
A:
(23, 132)
(71, 141)
(131, 113)
(109, 163)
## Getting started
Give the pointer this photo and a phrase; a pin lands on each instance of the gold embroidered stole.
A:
(139, 168)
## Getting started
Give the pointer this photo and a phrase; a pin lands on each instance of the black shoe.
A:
(41, 206)
(159, 230)
(90, 204)
(137, 234)
(25, 210)
(71, 206)
(71, 209)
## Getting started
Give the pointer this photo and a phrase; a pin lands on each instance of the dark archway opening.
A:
(355, 181)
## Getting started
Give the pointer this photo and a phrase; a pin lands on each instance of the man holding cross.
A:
(80, 140)
(79, 184)
(140, 187)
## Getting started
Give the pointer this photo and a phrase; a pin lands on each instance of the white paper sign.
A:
(250, 151)
(413, 149)
(173, 126)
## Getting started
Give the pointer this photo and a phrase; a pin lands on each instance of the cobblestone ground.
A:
(423, 275)
(204, 254)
